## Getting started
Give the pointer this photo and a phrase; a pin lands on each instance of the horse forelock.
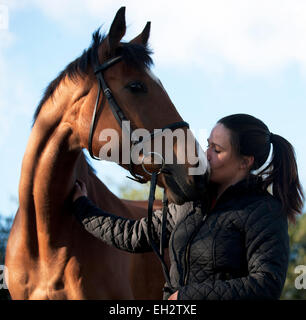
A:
(135, 55)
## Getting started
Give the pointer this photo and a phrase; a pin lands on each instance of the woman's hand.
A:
(79, 190)
(173, 296)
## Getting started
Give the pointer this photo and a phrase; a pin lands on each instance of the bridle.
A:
(120, 117)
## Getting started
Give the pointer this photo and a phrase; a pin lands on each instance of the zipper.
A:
(187, 252)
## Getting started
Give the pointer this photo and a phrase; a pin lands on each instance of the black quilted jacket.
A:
(237, 250)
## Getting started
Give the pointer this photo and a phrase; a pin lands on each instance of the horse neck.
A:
(48, 170)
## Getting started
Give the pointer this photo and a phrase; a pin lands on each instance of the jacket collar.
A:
(252, 185)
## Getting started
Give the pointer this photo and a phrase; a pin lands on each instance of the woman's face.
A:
(224, 163)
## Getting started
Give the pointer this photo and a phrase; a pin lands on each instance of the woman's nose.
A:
(207, 152)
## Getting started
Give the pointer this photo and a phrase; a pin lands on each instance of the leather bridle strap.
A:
(116, 110)
(107, 93)
(159, 253)
(172, 126)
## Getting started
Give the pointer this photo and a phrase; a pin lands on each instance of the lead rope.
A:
(164, 225)
(160, 254)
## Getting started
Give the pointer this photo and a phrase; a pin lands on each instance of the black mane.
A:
(135, 55)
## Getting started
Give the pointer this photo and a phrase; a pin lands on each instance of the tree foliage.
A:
(5, 227)
(297, 235)
(141, 193)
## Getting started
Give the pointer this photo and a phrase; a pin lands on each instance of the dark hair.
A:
(251, 137)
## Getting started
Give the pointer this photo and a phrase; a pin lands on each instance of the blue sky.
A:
(214, 58)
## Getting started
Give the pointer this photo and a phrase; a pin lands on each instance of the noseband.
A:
(120, 117)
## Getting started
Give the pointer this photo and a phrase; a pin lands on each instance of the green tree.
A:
(5, 227)
(141, 193)
(297, 235)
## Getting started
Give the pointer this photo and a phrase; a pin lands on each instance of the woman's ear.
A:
(247, 162)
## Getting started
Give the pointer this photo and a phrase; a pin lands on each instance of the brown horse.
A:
(49, 255)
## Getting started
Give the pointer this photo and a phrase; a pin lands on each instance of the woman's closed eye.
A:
(214, 148)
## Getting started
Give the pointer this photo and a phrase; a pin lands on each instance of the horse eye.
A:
(137, 87)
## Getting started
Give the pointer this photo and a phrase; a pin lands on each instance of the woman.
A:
(236, 246)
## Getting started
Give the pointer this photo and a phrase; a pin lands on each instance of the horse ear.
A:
(117, 30)
(144, 36)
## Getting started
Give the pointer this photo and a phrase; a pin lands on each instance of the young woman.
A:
(236, 246)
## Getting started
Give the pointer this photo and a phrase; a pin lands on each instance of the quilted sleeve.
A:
(267, 253)
(125, 234)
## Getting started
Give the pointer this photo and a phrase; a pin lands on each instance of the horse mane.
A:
(133, 54)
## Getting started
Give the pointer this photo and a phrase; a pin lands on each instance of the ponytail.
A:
(283, 175)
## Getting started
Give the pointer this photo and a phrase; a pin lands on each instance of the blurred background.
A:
(214, 57)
